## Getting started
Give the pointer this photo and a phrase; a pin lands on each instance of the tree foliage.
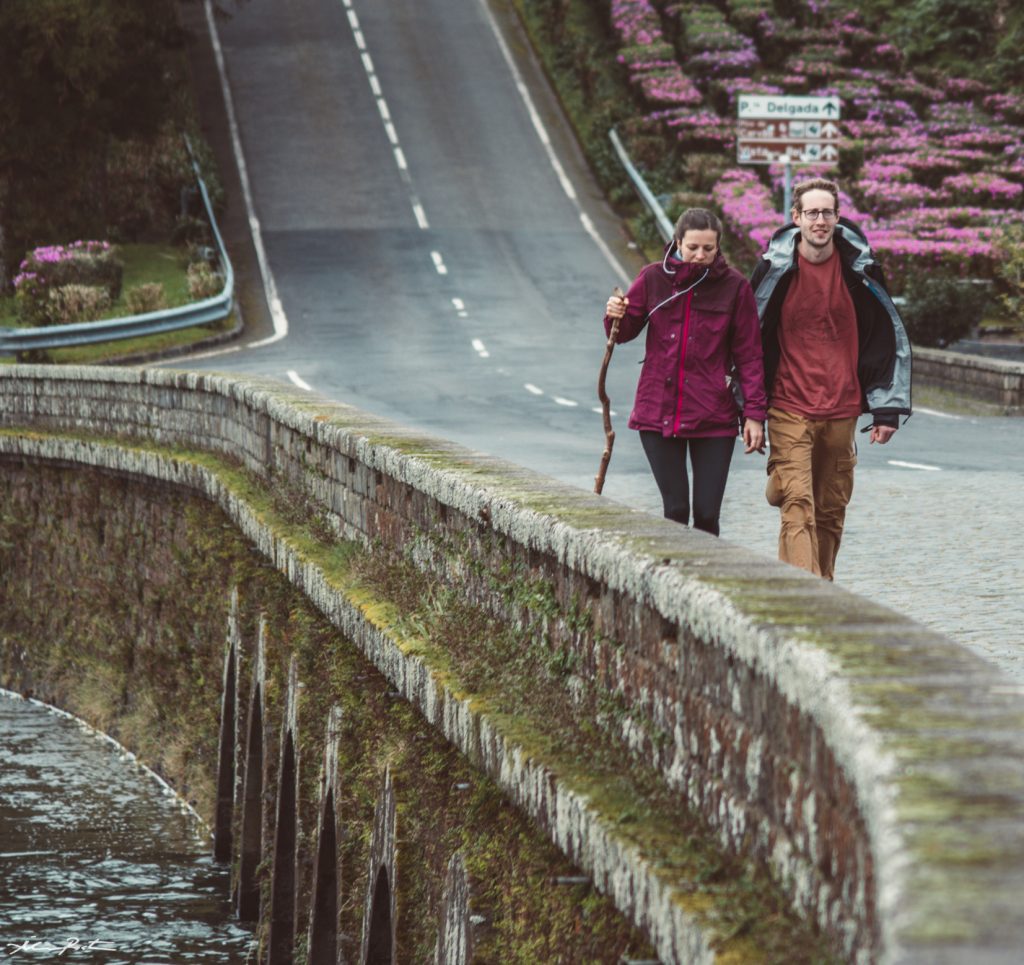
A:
(74, 76)
(983, 39)
(940, 310)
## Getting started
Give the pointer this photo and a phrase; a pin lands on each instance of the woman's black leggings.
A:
(710, 459)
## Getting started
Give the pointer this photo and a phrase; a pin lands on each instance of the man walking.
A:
(834, 347)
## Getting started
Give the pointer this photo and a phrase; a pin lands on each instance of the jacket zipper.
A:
(682, 364)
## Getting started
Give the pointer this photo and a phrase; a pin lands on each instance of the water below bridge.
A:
(98, 861)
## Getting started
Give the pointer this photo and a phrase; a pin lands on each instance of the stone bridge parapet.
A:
(874, 767)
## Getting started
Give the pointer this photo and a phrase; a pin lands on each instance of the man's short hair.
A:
(814, 184)
(698, 219)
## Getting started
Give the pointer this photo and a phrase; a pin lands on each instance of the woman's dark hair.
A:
(698, 219)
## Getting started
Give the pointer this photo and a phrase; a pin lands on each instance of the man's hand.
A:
(616, 306)
(753, 436)
(882, 434)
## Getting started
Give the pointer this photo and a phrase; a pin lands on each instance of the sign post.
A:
(776, 129)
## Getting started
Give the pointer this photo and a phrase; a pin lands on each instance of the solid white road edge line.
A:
(277, 315)
(545, 140)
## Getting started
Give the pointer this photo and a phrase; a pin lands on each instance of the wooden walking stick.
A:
(606, 403)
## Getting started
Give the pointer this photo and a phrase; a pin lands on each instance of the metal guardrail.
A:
(665, 227)
(14, 341)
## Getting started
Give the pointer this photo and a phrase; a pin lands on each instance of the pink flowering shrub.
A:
(1013, 169)
(1006, 107)
(148, 297)
(930, 164)
(203, 281)
(702, 129)
(885, 197)
(71, 304)
(964, 89)
(972, 188)
(636, 22)
(667, 85)
(887, 168)
(744, 15)
(649, 57)
(723, 63)
(814, 70)
(46, 269)
(747, 208)
(789, 83)
(723, 92)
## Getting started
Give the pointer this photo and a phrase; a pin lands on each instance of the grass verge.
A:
(143, 264)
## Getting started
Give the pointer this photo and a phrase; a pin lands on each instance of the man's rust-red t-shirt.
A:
(817, 373)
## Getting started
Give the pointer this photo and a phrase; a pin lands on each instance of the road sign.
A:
(787, 130)
(775, 106)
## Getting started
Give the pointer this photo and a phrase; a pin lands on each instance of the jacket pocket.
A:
(709, 336)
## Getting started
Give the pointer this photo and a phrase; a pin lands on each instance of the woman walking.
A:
(701, 324)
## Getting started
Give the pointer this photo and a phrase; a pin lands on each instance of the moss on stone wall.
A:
(115, 601)
(148, 578)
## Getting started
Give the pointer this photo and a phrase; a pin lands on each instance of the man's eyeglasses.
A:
(812, 214)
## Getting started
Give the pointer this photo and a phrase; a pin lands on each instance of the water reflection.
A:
(97, 862)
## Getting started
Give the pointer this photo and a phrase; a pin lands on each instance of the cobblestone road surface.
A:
(942, 545)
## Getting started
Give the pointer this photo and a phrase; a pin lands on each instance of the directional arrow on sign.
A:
(829, 129)
(789, 107)
(829, 152)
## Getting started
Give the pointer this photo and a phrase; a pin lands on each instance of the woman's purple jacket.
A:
(702, 322)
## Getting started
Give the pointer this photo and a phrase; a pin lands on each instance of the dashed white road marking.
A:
(385, 114)
(294, 376)
(442, 268)
(560, 400)
(600, 411)
(460, 305)
(941, 415)
(532, 389)
(914, 465)
(481, 349)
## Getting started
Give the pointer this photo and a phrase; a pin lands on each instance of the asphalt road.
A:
(432, 262)
(434, 250)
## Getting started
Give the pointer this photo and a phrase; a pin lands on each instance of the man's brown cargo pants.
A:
(810, 477)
